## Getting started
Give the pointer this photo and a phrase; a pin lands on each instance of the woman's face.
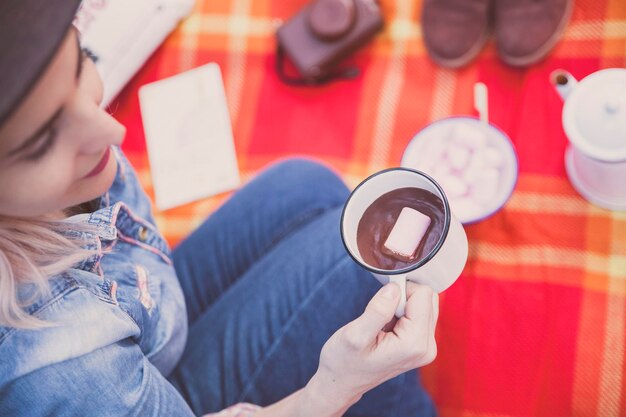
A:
(54, 149)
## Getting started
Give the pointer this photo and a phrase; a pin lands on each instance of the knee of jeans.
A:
(318, 179)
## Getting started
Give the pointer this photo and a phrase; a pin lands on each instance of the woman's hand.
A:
(361, 355)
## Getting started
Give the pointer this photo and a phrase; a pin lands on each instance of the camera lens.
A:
(331, 19)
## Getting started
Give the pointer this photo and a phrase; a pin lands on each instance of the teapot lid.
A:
(594, 115)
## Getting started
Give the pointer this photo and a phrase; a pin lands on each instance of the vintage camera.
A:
(324, 33)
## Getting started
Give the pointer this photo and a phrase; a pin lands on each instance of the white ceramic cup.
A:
(439, 268)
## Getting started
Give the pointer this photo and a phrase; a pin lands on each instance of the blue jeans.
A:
(267, 281)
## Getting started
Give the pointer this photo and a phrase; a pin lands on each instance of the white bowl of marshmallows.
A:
(473, 161)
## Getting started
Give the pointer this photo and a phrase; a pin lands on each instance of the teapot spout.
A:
(563, 82)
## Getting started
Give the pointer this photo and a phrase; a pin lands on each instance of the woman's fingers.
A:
(380, 310)
(389, 326)
(435, 307)
(415, 330)
(412, 287)
(431, 354)
(419, 304)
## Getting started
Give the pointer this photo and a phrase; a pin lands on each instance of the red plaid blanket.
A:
(536, 325)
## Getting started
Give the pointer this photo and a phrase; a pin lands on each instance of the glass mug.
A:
(440, 267)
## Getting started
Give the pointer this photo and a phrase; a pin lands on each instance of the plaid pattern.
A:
(536, 326)
(237, 410)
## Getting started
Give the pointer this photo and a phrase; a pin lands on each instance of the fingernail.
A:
(390, 291)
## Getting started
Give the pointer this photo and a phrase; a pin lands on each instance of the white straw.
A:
(481, 102)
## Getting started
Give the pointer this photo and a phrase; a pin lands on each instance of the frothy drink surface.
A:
(380, 217)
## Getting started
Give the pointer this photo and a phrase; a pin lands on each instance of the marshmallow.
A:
(407, 232)
(434, 151)
(458, 157)
(472, 170)
(476, 166)
(427, 165)
(469, 136)
(441, 171)
(465, 208)
(493, 157)
(453, 186)
(485, 188)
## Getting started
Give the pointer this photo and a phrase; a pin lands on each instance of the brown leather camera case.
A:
(326, 31)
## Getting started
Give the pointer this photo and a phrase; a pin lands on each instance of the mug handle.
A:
(401, 281)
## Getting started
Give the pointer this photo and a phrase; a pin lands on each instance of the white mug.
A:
(439, 268)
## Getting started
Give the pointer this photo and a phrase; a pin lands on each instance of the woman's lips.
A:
(100, 166)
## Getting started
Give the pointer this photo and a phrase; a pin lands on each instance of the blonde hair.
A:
(31, 251)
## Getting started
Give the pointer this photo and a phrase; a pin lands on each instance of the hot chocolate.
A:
(380, 217)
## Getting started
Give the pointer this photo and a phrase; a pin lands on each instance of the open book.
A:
(120, 35)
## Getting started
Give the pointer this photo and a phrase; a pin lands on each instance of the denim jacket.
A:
(120, 323)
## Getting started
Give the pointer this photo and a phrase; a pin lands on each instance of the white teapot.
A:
(594, 120)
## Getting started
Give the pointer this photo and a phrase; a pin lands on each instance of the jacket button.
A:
(143, 234)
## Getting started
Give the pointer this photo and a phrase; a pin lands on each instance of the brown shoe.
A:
(527, 30)
(455, 30)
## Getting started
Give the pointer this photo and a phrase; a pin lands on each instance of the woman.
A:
(260, 305)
